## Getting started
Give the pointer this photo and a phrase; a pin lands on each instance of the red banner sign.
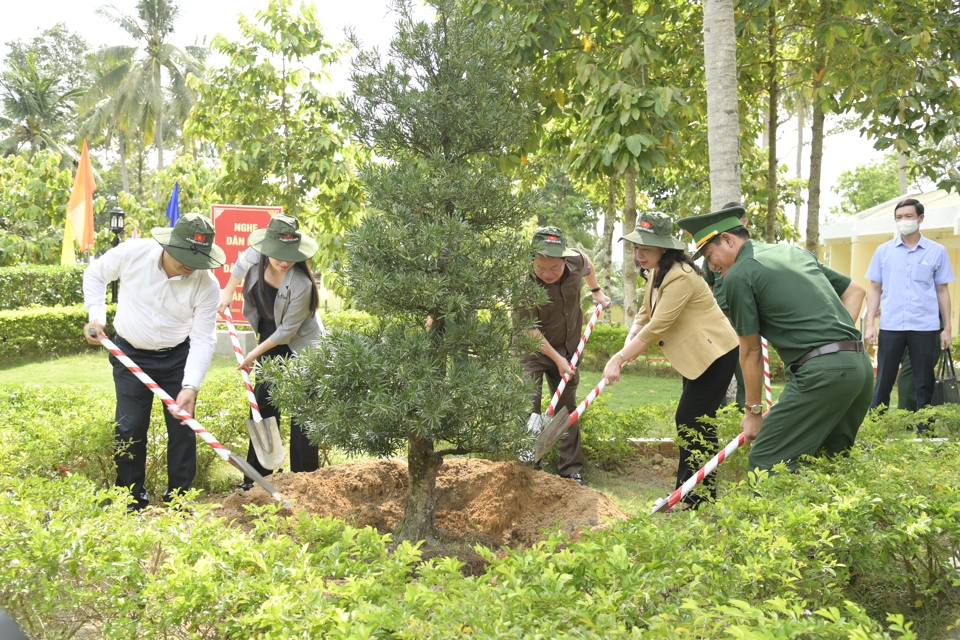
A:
(233, 224)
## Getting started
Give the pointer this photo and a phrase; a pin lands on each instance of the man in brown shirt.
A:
(561, 272)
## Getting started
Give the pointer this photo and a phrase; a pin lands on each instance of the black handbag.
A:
(945, 386)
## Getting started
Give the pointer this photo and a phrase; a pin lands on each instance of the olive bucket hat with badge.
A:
(705, 227)
(282, 240)
(549, 242)
(654, 229)
(190, 242)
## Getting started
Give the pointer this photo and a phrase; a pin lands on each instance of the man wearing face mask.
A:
(908, 284)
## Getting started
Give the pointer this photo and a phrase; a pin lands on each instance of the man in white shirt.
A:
(165, 321)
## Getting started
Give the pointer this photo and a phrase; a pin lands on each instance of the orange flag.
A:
(79, 224)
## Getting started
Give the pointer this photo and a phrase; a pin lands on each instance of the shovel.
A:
(264, 432)
(561, 423)
(197, 428)
(536, 420)
(553, 431)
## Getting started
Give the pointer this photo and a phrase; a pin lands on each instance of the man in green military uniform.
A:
(806, 311)
(715, 282)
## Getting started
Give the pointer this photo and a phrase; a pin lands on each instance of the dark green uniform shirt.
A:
(783, 293)
(715, 281)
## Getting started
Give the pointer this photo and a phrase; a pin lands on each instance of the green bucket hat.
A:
(709, 225)
(190, 241)
(282, 240)
(548, 241)
(654, 229)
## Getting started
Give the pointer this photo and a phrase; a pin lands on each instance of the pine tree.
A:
(440, 259)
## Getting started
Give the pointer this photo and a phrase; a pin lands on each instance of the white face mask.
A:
(906, 227)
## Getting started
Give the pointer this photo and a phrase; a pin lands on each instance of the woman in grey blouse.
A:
(280, 302)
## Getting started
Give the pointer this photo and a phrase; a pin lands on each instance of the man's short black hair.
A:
(906, 203)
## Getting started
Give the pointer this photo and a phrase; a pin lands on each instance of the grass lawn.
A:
(91, 369)
(94, 369)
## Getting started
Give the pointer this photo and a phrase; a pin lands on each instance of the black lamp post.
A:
(116, 227)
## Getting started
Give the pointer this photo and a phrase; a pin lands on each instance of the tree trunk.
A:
(629, 224)
(609, 221)
(902, 173)
(723, 119)
(422, 467)
(816, 161)
(773, 91)
(159, 140)
(140, 155)
(124, 178)
(800, 113)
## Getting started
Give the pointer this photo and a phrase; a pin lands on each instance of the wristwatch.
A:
(755, 409)
(595, 290)
(191, 387)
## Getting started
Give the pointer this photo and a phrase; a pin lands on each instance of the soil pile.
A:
(503, 502)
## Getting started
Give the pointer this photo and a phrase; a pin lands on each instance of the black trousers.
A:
(923, 347)
(134, 403)
(570, 447)
(304, 456)
(702, 397)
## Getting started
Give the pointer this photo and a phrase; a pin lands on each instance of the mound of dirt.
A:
(503, 502)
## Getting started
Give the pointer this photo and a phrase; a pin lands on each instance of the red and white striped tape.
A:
(576, 413)
(205, 435)
(576, 358)
(768, 390)
(235, 339)
(681, 492)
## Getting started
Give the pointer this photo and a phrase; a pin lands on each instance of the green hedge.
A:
(348, 320)
(45, 331)
(40, 285)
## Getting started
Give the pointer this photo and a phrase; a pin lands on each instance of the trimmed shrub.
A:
(605, 433)
(45, 331)
(53, 432)
(822, 553)
(756, 566)
(41, 285)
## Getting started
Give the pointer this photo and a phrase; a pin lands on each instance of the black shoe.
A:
(140, 502)
(576, 477)
(245, 486)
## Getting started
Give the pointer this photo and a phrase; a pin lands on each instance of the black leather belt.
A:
(164, 350)
(833, 347)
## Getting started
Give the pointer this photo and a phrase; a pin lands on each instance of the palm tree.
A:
(133, 84)
(36, 111)
(723, 120)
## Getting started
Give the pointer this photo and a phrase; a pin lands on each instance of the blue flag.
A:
(173, 207)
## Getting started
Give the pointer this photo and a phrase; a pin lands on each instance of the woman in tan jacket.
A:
(681, 316)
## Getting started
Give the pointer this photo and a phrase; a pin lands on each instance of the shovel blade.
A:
(265, 436)
(662, 504)
(552, 431)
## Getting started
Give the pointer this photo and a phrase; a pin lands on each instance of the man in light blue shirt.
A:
(908, 283)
